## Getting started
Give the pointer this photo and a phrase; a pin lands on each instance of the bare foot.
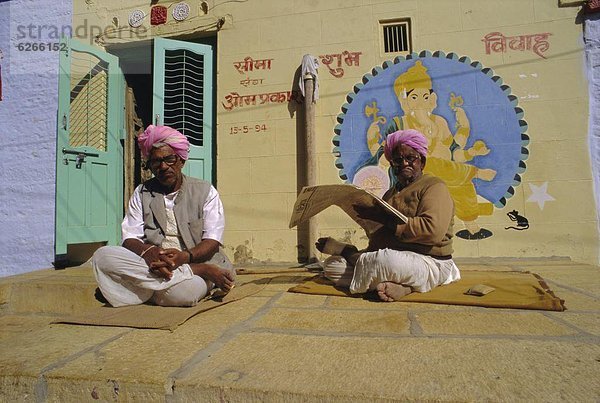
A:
(390, 292)
(332, 246)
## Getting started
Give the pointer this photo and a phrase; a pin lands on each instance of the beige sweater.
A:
(430, 209)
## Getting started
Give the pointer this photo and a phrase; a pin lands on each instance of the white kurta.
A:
(214, 218)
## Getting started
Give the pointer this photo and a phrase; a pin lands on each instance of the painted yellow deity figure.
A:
(418, 101)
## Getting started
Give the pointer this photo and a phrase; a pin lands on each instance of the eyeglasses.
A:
(169, 160)
(400, 160)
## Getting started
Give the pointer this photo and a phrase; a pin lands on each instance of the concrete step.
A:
(49, 291)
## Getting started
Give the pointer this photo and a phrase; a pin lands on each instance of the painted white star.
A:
(539, 194)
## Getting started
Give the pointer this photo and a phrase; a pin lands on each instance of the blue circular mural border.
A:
(506, 90)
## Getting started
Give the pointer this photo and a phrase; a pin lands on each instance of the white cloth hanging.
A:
(310, 64)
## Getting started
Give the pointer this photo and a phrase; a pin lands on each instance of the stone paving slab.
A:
(576, 300)
(149, 357)
(479, 323)
(361, 368)
(577, 276)
(371, 322)
(277, 346)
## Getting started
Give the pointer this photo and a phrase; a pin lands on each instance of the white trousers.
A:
(419, 272)
(124, 279)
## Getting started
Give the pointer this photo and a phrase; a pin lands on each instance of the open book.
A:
(314, 199)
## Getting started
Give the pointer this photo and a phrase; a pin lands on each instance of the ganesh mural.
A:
(477, 140)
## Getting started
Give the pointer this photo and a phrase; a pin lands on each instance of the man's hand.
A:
(378, 214)
(160, 262)
(374, 213)
(167, 260)
(174, 257)
(161, 270)
(163, 261)
(151, 255)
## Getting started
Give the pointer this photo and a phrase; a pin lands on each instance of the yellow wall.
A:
(257, 173)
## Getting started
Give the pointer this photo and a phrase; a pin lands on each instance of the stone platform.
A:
(277, 346)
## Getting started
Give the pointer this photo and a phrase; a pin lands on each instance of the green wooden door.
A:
(89, 189)
(183, 98)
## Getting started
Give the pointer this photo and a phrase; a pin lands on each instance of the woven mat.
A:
(519, 290)
(159, 317)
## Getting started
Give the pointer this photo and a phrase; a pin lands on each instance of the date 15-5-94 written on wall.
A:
(245, 129)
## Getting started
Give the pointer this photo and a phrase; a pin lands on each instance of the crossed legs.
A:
(387, 291)
(124, 279)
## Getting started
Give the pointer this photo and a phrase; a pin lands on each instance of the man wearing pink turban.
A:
(156, 136)
(403, 257)
(172, 252)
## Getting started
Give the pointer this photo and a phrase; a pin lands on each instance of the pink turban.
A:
(163, 134)
(410, 137)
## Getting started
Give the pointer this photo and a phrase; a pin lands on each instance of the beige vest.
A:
(188, 211)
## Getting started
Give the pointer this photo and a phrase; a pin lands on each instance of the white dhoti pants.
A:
(419, 272)
(124, 279)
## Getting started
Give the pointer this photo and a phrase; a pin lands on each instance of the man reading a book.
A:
(404, 257)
